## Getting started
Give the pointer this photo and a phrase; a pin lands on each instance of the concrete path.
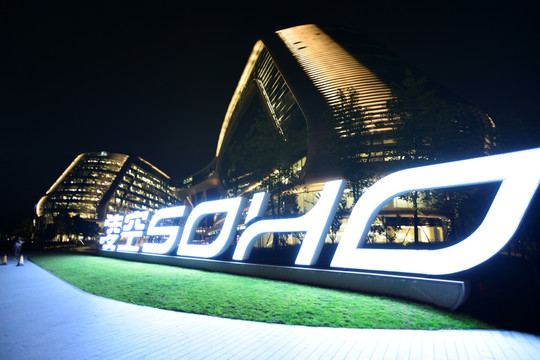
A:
(43, 317)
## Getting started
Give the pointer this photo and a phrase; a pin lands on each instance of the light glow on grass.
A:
(241, 297)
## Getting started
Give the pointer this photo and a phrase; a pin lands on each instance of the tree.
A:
(283, 181)
(63, 224)
(263, 153)
(250, 154)
(337, 221)
(429, 129)
(352, 140)
(86, 228)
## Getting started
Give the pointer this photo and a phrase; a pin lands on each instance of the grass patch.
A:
(246, 298)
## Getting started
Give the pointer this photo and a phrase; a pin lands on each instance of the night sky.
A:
(155, 80)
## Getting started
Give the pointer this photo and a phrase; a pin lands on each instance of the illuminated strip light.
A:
(269, 105)
(239, 89)
(39, 205)
(155, 168)
(519, 175)
(65, 173)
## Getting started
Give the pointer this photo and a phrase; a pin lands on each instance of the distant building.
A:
(286, 95)
(99, 183)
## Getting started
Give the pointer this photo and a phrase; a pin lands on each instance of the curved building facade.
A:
(99, 183)
(291, 82)
(281, 118)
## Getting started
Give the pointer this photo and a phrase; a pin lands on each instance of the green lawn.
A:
(247, 298)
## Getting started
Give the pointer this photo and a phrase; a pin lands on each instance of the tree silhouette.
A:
(429, 129)
(260, 154)
(352, 141)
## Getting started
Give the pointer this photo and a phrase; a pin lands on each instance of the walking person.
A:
(17, 247)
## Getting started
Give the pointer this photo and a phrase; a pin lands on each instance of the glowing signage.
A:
(233, 209)
(315, 223)
(133, 228)
(517, 172)
(170, 231)
(113, 224)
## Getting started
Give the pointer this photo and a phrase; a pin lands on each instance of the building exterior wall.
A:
(293, 77)
(99, 183)
(302, 69)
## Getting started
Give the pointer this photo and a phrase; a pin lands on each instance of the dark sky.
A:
(154, 80)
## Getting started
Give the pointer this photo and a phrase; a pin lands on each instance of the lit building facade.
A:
(279, 123)
(101, 183)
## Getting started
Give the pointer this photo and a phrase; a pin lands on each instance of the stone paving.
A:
(43, 317)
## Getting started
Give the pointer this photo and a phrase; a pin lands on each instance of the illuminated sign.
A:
(231, 207)
(518, 173)
(315, 224)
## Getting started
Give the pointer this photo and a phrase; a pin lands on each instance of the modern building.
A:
(280, 125)
(99, 183)
(306, 94)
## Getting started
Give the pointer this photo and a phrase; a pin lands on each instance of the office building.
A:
(280, 129)
(101, 183)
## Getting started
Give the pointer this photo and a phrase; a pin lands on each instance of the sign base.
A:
(449, 294)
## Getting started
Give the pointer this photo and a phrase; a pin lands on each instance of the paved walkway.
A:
(43, 317)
